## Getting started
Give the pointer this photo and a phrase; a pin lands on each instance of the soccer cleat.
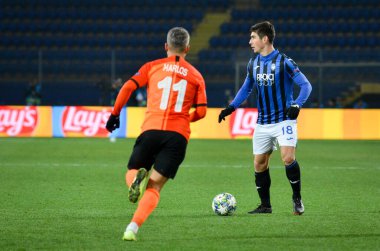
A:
(138, 185)
(129, 235)
(298, 207)
(261, 210)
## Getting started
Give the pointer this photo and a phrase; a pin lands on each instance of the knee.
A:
(156, 181)
(260, 166)
(154, 185)
(288, 159)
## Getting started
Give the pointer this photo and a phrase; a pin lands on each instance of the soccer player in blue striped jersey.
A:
(272, 75)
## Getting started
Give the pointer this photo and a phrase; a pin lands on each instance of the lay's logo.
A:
(18, 121)
(243, 122)
(85, 121)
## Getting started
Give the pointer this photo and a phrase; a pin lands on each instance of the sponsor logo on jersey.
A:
(18, 121)
(243, 122)
(85, 121)
(264, 79)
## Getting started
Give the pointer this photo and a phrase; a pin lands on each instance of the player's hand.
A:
(293, 111)
(113, 123)
(225, 112)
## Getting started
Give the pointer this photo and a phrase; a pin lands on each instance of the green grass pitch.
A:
(69, 194)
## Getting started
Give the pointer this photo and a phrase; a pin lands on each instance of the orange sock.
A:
(130, 176)
(147, 204)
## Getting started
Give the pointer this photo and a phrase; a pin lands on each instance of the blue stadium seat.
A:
(77, 37)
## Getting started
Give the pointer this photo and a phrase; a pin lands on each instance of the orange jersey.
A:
(173, 87)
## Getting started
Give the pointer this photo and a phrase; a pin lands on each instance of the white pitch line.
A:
(53, 165)
(45, 164)
(281, 167)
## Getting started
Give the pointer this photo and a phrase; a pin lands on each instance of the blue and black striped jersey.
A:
(272, 77)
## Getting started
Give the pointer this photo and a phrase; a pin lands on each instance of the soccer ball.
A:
(224, 204)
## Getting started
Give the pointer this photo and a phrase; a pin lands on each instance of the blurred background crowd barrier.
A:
(89, 121)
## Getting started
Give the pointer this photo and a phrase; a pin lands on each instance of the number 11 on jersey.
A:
(179, 87)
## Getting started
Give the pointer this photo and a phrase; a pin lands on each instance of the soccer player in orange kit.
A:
(173, 87)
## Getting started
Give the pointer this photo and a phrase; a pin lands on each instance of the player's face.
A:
(256, 43)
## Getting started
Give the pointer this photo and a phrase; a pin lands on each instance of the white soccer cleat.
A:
(298, 208)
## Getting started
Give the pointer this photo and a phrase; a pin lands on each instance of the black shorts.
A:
(164, 149)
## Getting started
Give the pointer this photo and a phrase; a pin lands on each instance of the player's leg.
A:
(292, 169)
(263, 145)
(130, 176)
(137, 187)
(293, 173)
(146, 205)
(167, 161)
(288, 141)
(263, 182)
(139, 165)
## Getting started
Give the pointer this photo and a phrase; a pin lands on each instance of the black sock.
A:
(294, 176)
(262, 185)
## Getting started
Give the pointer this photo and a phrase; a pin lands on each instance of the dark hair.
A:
(178, 38)
(264, 29)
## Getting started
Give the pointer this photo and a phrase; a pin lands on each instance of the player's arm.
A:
(240, 97)
(199, 113)
(122, 98)
(200, 101)
(300, 79)
(125, 93)
(305, 88)
(243, 93)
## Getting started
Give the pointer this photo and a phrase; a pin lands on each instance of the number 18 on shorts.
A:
(266, 137)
